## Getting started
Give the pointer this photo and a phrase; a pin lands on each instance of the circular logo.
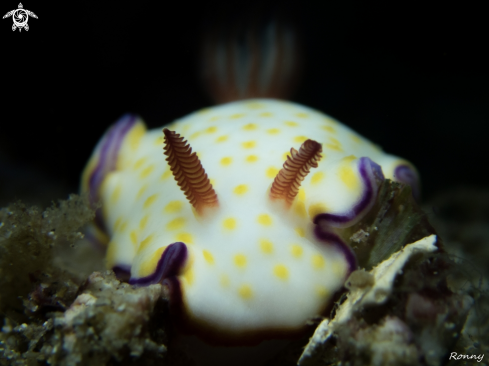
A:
(20, 17)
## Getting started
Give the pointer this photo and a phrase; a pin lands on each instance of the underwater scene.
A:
(247, 183)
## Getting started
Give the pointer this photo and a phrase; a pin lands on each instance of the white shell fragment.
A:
(358, 297)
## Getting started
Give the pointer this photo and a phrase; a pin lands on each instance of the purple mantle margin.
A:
(333, 239)
(407, 175)
(108, 151)
(171, 262)
(372, 176)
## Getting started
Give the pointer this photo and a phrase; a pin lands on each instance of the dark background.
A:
(411, 76)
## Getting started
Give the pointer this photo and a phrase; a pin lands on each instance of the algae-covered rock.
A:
(28, 240)
(108, 321)
(394, 221)
(59, 317)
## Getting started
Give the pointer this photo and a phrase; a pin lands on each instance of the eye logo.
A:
(20, 17)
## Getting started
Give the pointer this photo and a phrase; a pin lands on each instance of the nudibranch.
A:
(237, 209)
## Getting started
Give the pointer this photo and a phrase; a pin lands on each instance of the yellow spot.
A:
(209, 258)
(123, 227)
(176, 224)
(334, 145)
(237, 115)
(251, 158)
(330, 129)
(139, 163)
(135, 135)
(213, 119)
(87, 172)
(150, 200)
(188, 275)
(321, 292)
(264, 220)
(116, 194)
(166, 175)
(241, 189)
(245, 292)
(144, 244)
(248, 144)
(117, 223)
(211, 129)
(300, 231)
(317, 177)
(266, 246)
(272, 172)
(147, 171)
(296, 250)
(212, 182)
(240, 260)
(300, 138)
(250, 127)
(273, 131)
(317, 261)
(222, 138)
(348, 158)
(254, 105)
(143, 222)
(291, 124)
(229, 223)
(185, 238)
(149, 265)
(174, 206)
(281, 271)
(316, 209)
(300, 209)
(195, 134)
(141, 191)
(334, 141)
(265, 114)
(224, 280)
(185, 128)
(284, 156)
(226, 161)
(134, 238)
(159, 140)
(356, 139)
(301, 194)
(348, 177)
(302, 115)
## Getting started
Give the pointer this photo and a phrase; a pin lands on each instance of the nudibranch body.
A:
(253, 249)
